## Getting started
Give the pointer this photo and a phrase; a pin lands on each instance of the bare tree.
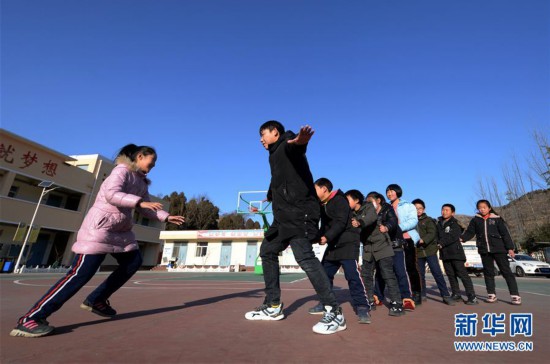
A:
(518, 183)
(539, 162)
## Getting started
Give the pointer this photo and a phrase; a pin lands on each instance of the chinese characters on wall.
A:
(26, 159)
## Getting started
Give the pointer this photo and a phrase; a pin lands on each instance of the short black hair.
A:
(356, 195)
(419, 201)
(324, 182)
(376, 195)
(451, 206)
(396, 188)
(272, 124)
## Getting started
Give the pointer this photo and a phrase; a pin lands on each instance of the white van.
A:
(473, 259)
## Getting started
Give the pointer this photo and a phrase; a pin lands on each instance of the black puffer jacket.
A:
(492, 235)
(448, 237)
(296, 209)
(342, 237)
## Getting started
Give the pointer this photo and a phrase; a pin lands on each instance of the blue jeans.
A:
(353, 276)
(304, 255)
(83, 268)
(433, 263)
(400, 271)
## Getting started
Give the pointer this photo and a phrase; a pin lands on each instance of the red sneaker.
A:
(408, 304)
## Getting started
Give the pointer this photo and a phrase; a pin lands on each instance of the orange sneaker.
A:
(408, 304)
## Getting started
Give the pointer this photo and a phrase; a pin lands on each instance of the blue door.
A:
(38, 250)
(183, 254)
(225, 257)
(251, 253)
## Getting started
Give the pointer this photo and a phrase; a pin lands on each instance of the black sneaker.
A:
(319, 309)
(99, 308)
(456, 297)
(396, 309)
(472, 301)
(363, 315)
(448, 301)
(32, 328)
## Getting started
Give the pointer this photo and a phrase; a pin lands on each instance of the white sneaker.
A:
(266, 312)
(332, 322)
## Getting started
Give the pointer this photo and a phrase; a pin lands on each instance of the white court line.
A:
(21, 283)
(145, 282)
(299, 280)
(194, 285)
(506, 289)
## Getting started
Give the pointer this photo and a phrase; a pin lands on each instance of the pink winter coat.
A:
(107, 228)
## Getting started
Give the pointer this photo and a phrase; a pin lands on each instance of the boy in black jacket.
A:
(342, 240)
(452, 254)
(296, 215)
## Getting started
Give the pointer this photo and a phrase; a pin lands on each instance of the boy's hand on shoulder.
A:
(303, 137)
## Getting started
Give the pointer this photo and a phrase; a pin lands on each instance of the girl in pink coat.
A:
(106, 229)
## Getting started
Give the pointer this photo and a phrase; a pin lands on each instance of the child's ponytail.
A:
(132, 150)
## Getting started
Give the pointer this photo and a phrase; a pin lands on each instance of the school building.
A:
(76, 179)
(220, 250)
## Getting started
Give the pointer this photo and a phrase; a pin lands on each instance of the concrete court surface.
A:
(199, 318)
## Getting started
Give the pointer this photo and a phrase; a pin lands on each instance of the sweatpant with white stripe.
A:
(83, 268)
(352, 273)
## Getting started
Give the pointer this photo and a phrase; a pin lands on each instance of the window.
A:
(83, 166)
(201, 249)
(73, 201)
(54, 200)
(13, 191)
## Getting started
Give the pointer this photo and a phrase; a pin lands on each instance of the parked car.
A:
(523, 265)
(473, 259)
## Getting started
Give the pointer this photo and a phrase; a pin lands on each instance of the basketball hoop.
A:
(254, 203)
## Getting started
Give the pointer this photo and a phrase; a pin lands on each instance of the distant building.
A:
(23, 165)
(220, 248)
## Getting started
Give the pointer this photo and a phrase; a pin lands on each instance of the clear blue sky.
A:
(432, 95)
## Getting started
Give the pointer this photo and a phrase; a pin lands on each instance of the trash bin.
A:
(258, 269)
(7, 268)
